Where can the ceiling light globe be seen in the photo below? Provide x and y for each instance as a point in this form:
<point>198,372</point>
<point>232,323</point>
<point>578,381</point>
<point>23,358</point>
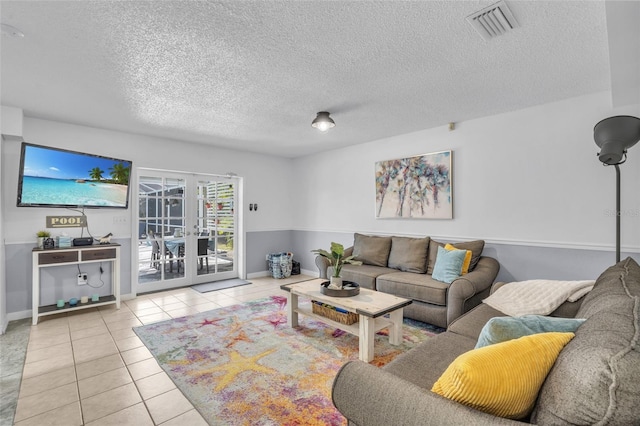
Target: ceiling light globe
<point>323,126</point>
<point>323,122</point>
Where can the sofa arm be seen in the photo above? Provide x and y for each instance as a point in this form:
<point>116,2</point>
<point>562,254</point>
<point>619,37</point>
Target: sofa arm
<point>496,286</point>
<point>370,396</point>
<point>322,263</point>
<point>467,286</point>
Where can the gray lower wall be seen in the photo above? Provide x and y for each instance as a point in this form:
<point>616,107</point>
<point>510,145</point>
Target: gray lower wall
<point>261,243</point>
<point>517,262</point>
<point>58,282</point>
<point>305,241</point>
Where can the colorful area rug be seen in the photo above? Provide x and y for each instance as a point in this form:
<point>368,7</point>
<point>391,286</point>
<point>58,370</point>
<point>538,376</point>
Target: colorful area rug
<point>243,365</point>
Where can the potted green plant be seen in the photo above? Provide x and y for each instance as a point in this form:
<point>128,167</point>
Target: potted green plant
<point>41,236</point>
<point>337,260</point>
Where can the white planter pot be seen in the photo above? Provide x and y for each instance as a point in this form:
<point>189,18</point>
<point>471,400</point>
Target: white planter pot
<point>40,242</point>
<point>337,282</point>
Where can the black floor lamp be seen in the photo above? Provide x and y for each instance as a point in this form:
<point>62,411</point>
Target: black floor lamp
<point>614,135</point>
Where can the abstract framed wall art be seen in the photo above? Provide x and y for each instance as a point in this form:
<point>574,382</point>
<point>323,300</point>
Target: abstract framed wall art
<point>419,187</point>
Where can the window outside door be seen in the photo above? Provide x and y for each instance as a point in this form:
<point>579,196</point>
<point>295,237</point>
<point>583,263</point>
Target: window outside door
<point>187,229</point>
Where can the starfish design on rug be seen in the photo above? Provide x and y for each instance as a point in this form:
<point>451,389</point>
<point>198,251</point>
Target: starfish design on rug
<point>236,365</point>
<point>210,322</point>
<point>277,319</point>
<point>242,336</point>
<point>236,333</point>
<point>280,300</point>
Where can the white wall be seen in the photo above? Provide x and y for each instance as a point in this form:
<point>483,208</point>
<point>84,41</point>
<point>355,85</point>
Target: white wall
<point>11,129</point>
<point>3,281</point>
<point>527,177</point>
<point>266,181</point>
<point>260,173</point>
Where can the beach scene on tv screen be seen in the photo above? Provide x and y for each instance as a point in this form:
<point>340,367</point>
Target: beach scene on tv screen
<point>73,179</point>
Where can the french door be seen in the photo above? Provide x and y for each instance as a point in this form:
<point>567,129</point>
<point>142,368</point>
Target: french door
<point>187,229</point>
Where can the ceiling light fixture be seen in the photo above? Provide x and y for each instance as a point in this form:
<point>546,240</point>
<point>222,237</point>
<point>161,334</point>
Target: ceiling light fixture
<point>10,31</point>
<point>614,135</point>
<point>323,122</point>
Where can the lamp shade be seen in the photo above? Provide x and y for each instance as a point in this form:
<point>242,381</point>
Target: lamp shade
<point>323,122</point>
<point>614,135</point>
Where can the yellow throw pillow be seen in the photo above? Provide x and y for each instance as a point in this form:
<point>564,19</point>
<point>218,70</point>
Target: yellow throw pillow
<point>467,258</point>
<point>502,379</point>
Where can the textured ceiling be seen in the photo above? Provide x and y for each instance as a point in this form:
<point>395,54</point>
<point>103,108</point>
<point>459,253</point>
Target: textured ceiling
<point>251,75</point>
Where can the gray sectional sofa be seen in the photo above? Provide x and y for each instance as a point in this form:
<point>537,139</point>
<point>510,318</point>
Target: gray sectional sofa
<point>403,266</point>
<point>594,380</point>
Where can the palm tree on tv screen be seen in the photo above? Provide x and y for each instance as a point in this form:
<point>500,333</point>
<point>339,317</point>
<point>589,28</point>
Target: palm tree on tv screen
<point>120,173</point>
<point>96,173</point>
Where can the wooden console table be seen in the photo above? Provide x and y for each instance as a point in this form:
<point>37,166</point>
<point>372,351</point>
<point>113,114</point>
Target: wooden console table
<point>79,255</point>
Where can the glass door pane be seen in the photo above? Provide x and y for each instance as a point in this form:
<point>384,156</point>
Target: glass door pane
<point>161,226</point>
<point>215,229</point>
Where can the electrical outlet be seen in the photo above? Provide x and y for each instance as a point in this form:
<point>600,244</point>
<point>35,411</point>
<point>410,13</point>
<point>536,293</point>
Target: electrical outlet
<point>82,278</point>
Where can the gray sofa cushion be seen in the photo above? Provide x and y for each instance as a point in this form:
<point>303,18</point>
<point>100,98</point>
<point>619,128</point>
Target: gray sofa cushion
<point>370,396</point>
<point>409,254</point>
<point>595,378</point>
<point>470,324</point>
<point>414,286</point>
<point>372,250</point>
<point>567,309</point>
<point>364,275</point>
<point>424,365</point>
<point>476,248</point>
<point>616,284</point>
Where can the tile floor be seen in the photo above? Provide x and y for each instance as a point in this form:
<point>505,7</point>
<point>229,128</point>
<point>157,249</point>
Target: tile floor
<point>89,367</point>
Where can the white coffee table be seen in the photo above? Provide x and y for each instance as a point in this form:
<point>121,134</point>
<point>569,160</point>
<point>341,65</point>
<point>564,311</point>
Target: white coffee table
<point>370,305</point>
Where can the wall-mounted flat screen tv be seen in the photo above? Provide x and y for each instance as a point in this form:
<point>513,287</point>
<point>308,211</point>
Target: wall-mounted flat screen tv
<point>53,177</point>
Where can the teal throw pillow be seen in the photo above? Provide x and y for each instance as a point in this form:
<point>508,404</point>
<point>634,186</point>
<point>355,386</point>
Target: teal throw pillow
<point>448,265</point>
<point>501,329</point>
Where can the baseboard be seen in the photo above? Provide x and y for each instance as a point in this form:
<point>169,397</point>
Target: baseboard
<point>258,274</point>
<point>14,316</point>
<point>267,274</point>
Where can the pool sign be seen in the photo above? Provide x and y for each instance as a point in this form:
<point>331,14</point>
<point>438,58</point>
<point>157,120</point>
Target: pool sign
<point>66,221</point>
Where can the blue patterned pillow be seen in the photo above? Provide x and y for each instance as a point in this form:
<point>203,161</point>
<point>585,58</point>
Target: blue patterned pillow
<point>501,329</point>
<point>448,265</point>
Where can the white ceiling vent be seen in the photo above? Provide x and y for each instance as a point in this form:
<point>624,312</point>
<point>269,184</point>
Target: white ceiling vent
<point>493,21</point>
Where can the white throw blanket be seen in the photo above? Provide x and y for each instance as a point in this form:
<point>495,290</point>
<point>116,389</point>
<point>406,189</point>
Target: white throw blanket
<point>536,297</point>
